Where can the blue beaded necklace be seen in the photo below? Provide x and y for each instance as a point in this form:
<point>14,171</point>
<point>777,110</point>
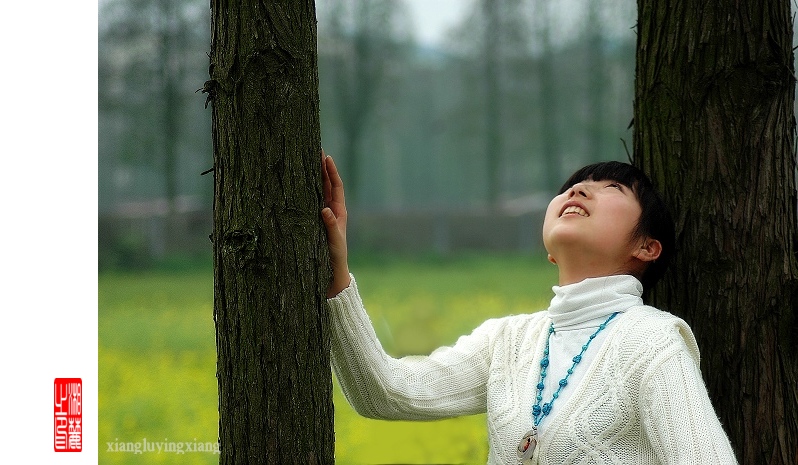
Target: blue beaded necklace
<point>530,440</point>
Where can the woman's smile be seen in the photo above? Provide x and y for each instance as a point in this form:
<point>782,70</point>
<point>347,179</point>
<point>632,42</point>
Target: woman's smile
<point>574,208</point>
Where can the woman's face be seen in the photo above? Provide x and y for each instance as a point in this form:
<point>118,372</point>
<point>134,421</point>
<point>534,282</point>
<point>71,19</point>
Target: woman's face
<point>594,220</point>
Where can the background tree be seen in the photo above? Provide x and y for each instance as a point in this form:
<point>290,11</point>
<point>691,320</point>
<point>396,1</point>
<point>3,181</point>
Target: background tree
<point>151,59</point>
<point>171,35</point>
<point>714,127</point>
<point>270,262</point>
<point>409,114</point>
<point>550,154</point>
<point>369,38</point>
<point>492,95</point>
<point>595,82</point>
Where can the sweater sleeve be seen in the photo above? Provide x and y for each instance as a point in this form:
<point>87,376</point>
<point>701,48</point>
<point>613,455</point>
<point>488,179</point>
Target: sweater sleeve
<point>678,417</point>
<point>449,382</point>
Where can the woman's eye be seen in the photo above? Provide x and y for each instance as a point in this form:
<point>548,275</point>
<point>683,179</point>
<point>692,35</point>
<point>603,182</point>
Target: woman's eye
<point>615,185</point>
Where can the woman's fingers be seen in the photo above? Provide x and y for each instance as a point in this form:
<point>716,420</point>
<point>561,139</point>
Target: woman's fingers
<point>329,220</point>
<point>334,217</point>
<point>336,187</point>
<point>325,178</point>
<point>334,211</point>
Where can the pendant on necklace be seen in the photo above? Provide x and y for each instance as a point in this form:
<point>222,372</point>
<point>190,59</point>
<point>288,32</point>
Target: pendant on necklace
<point>527,446</point>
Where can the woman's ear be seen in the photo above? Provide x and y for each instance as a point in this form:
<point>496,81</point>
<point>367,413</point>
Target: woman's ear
<point>649,251</point>
<point>551,259</point>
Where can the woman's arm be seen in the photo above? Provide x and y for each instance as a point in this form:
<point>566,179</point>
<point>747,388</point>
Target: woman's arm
<point>678,417</point>
<point>452,381</point>
<point>449,382</point>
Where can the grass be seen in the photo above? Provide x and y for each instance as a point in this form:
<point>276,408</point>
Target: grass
<point>157,354</point>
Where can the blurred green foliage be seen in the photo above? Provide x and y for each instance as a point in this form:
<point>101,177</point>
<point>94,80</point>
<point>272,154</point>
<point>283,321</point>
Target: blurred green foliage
<point>489,120</point>
<point>157,353</point>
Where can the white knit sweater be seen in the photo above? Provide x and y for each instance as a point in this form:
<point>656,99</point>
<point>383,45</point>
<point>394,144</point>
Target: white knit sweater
<point>637,396</point>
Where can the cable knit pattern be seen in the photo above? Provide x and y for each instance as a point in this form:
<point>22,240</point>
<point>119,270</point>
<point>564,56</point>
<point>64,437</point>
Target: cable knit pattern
<point>639,398</point>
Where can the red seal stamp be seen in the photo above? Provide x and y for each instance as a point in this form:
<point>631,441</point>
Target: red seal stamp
<point>68,415</point>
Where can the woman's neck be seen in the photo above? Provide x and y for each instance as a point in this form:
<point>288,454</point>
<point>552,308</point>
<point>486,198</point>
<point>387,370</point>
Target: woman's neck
<point>577,270</point>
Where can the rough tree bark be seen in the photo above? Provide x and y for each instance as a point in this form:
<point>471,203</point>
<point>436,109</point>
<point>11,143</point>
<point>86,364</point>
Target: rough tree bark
<point>270,256</point>
<point>714,128</point>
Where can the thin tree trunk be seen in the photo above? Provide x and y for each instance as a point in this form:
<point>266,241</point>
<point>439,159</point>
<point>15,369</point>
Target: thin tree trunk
<point>547,97</point>
<point>714,128</point>
<point>358,76</point>
<point>270,260</point>
<point>493,100</point>
<point>170,75</point>
<point>596,85</point>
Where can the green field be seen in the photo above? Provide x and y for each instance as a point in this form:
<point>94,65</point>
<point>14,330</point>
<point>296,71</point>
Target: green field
<point>157,355</point>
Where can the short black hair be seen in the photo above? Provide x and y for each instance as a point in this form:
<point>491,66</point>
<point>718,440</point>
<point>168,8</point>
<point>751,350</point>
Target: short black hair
<point>655,220</point>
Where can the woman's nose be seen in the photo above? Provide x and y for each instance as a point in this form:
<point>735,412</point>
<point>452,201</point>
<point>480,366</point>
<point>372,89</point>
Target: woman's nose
<point>579,189</point>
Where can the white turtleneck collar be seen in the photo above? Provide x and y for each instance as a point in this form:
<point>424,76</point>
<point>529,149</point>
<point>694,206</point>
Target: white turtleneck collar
<point>576,311</point>
<point>578,305</point>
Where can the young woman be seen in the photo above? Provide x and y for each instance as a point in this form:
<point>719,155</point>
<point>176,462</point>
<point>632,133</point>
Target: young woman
<point>598,377</point>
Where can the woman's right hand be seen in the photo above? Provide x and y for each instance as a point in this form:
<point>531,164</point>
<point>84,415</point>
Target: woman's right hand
<point>334,216</point>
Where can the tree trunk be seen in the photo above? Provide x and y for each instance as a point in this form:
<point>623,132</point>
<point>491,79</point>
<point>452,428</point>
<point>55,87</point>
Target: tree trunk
<point>714,128</point>
<point>270,256</point>
<point>493,100</point>
<point>597,85</point>
<point>549,133</point>
<point>168,101</point>
<point>363,30</point>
